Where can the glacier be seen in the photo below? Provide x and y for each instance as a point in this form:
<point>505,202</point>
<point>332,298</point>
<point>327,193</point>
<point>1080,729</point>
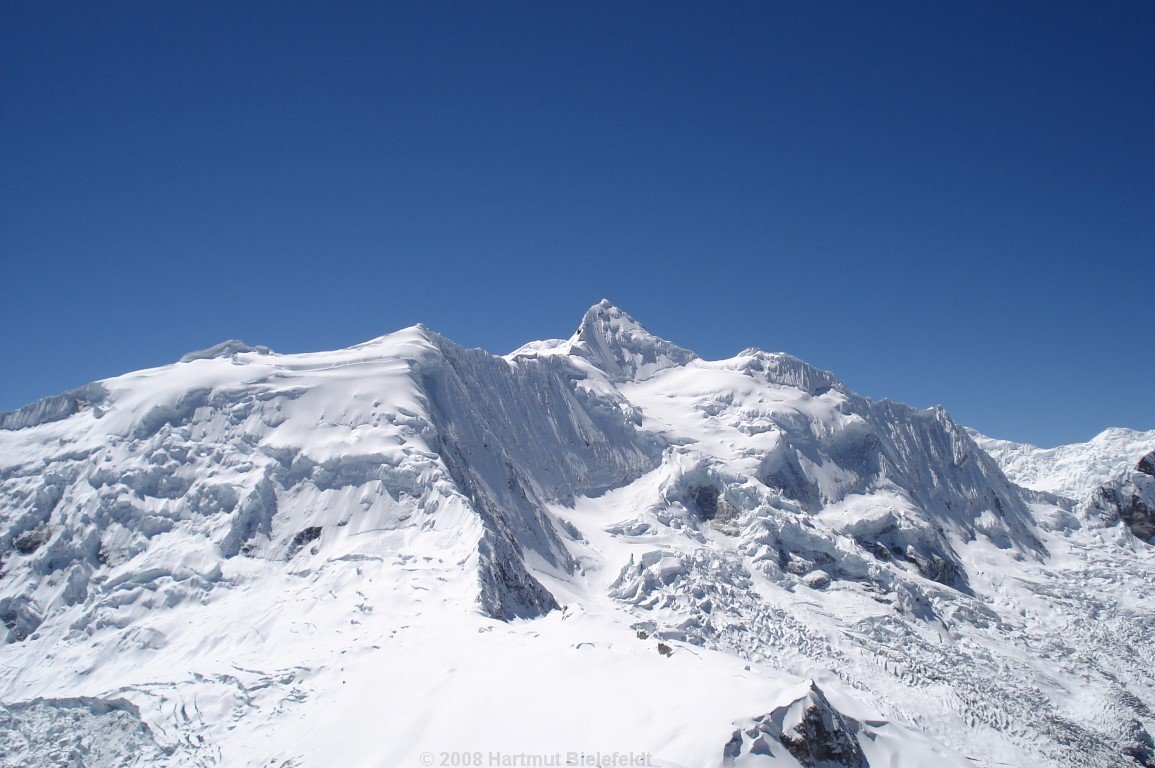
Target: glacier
<point>407,550</point>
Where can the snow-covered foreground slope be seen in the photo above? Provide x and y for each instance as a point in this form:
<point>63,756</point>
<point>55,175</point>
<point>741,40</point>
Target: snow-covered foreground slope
<point>587,552</point>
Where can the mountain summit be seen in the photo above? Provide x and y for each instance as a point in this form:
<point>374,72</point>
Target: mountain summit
<point>248,558</point>
<point>620,346</point>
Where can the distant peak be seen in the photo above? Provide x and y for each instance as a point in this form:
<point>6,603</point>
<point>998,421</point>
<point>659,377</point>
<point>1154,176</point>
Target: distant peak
<point>621,346</point>
<point>605,313</point>
<point>1122,434</point>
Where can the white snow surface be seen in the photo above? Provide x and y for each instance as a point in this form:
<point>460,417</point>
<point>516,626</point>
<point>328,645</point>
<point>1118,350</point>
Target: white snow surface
<point>590,551</point>
<point>1074,471</point>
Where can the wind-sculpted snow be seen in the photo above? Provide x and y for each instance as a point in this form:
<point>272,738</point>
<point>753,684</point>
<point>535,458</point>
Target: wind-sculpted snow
<point>407,548</point>
<point>54,408</point>
<point>225,349</point>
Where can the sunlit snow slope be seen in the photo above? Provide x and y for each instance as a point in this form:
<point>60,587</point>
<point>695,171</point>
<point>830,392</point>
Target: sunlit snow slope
<point>1074,471</point>
<point>604,545</point>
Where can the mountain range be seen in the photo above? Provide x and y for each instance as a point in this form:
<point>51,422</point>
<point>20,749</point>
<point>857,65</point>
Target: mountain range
<point>602,550</point>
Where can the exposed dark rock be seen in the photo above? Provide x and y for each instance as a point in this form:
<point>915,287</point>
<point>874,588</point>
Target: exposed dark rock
<point>874,548</point>
<point>1123,502</point>
<point>18,618</point>
<point>1141,748</point>
<point>1147,464</point>
<point>1139,517</point>
<point>508,591</point>
<point>938,569</point>
<point>932,559</point>
<point>733,748</point>
<point>303,537</point>
<point>809,728</point>
<point>705,500</point>
<point>801,561</point>
<point>30,541</point>
<point>824,736</point>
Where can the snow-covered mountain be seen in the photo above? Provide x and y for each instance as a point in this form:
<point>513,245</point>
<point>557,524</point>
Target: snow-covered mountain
<point>1111,477</point>
<point>589,551</point>
<point>1076,470</point>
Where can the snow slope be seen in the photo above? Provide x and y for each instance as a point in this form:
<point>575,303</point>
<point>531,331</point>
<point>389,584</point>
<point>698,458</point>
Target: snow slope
<point>1076,470</point>
<point>602,546</point>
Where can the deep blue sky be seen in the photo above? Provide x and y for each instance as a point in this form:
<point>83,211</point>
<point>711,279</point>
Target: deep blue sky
<point>942,202</point>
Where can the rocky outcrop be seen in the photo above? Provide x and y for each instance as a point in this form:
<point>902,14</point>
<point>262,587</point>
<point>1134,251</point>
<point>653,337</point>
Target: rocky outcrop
<point>809,728</point>
<point>508,591</point>
<point>1130,500</point>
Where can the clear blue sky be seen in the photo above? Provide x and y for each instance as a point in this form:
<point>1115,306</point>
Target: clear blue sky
<point>943,202</point>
